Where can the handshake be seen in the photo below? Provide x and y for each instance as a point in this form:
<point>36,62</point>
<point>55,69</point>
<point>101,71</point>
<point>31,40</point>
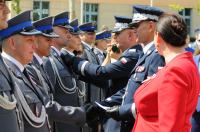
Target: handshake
<point>95,112</point>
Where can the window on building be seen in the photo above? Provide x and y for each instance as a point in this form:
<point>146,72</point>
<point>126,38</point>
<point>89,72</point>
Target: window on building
<point>90,12</point>
<point>40,9</point>
<point>186,14</point>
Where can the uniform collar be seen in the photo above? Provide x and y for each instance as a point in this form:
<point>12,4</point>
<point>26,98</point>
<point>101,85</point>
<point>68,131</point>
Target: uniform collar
<point>56,50</point>
<point>13,60</point>
<point>90,47</point>
<point>38,58</point>
<point>68,52</point>
<point>99,50</point>
<point>147,47</point>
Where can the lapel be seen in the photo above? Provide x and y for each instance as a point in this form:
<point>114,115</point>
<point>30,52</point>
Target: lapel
<point>91,51</point>
<point>39,67</point>
<point>55,55</point>
<point>17,73</point>
<point>44,75</point>
<point>141,60</point>
<point>36,63</point>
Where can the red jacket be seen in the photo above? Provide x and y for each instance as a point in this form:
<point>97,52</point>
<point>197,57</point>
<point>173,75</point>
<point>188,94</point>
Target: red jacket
<point>166,102</point>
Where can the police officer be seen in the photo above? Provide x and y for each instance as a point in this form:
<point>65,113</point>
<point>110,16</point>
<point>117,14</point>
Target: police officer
<point>117,71</point>
<point>42,49</point>
<point>73,47</point>
<point>8,110</point>
<point>16,38</point>
<point>88,38</point>
<point>35,68</point>
<point>102,40</point>
<point>61,76</point>
<point>144,18</point>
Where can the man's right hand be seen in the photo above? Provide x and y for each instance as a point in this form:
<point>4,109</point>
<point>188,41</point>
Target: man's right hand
<point>67,58</point>
<point>93,114</point>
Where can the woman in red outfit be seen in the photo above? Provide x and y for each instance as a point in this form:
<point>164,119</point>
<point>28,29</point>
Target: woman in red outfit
<point>167,100</point>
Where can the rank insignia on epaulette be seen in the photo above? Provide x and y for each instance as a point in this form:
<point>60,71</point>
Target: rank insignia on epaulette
<point>132,50</point>
<point>123,60</point>
<point>140,69</point>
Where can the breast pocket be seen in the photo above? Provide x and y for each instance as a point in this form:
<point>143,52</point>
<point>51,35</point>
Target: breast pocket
<point>139,75</point>
<point>31,97</point>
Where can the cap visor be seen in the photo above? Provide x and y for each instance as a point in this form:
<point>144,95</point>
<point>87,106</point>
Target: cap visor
<point>31,32</point>
<point>67,26</point>
<point>50,35</point>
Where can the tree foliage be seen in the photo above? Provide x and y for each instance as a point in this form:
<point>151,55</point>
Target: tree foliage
<point>16,6</point>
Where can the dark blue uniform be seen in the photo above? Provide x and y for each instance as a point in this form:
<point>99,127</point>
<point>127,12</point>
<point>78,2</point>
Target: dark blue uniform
<point>8,117</point>
<point>64,84</point>
<point>117,71</point>
<point>146,67</point>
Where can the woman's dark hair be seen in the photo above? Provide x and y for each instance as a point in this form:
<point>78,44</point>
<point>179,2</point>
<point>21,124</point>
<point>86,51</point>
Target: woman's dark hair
<point>172,29</point>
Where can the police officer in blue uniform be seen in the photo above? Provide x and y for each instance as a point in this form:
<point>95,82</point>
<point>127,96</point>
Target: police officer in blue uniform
<point>87,36</point>
<point>102,41</point>
<point>73,48</point>
<point>61,76</point>
<point>143,17</point>
<point>19,36</point>
<point>43,43</point>
<point>117,71</point>
<point>8,109</point>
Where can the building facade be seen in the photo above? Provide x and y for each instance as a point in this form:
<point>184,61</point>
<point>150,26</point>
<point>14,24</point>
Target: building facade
<point>103,11</point>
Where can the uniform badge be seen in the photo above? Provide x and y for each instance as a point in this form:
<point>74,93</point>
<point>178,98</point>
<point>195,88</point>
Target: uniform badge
<point>140,69</point>
<point>132,50</point>
<point>123,60</point>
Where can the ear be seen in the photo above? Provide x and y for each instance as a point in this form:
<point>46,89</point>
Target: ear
<point>69,36</point>
<point>151,26</point>
<point>10,42</point>
<point>157,38</point>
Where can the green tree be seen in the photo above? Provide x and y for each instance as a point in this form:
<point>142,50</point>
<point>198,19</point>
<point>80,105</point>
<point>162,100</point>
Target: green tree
<point>176,7</point>
<point>16,6</point>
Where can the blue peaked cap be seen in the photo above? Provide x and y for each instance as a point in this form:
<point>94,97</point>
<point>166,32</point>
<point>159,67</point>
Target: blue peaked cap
<point>88,27</point>
<point>75,29</point>
<point>103,35</point>
<point>121,23</point>
<point>62,20</point>
<point>145,12</point>
<point>20,24</point>
<point>45,25</point>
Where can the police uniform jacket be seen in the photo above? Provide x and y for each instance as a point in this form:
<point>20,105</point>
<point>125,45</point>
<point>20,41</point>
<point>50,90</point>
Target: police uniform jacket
<point>8,117</point>
<point>31,94</point>
<point>56,112</point>
<point>93,92</point>
<point>117,71</point>
<point>64,84</point>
